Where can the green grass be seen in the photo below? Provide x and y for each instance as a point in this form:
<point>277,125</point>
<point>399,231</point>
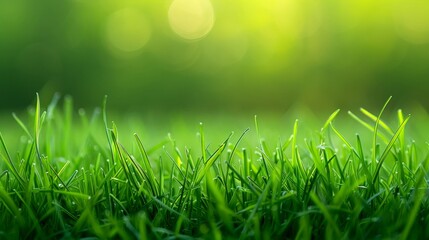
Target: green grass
<point>68,175</point>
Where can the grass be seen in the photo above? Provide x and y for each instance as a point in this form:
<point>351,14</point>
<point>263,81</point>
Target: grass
<point>72,177</point>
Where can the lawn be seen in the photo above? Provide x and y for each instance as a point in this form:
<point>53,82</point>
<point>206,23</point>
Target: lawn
<point>70,173</point>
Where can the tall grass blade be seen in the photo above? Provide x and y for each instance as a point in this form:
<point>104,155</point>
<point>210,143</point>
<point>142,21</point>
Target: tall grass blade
<point>9,162</point>
<point>210,162</point>
<point>368,126</point>
<point>148,167</point>
<point>22,125</point>
<point>388,148</point>
<point>330,119</point>
<point>375,119</point>
<point>374,141</point>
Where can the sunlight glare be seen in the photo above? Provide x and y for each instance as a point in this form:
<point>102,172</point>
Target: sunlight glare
<point>191,19</point>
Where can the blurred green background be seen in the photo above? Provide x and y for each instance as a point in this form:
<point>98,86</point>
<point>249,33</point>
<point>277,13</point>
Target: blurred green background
<point>202,55</point>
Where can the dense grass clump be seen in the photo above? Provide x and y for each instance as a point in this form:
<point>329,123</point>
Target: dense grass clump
<point>326,186</point>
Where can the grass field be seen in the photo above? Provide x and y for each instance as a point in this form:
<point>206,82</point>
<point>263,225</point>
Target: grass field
<point>76,174</point>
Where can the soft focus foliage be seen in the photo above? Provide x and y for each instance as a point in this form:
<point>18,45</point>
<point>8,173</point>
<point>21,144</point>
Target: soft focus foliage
<point>190,54</point>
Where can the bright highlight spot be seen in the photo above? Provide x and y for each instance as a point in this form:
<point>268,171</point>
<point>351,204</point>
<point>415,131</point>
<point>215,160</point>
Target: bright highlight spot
<point>179,162</point>
<point>128,30</point>
<point>191,19</point>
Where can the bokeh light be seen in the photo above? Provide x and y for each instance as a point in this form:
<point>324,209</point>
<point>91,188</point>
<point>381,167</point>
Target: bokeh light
<point>191,19</point>
<point>206,54</point>
<point>128,30</point>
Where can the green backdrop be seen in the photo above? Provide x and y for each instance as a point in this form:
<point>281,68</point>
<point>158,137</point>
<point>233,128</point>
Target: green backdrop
<point>204,55</point>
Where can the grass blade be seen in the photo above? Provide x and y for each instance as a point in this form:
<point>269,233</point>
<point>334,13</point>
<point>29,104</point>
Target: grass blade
<point>388,147</point>
<point>210,162</point>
